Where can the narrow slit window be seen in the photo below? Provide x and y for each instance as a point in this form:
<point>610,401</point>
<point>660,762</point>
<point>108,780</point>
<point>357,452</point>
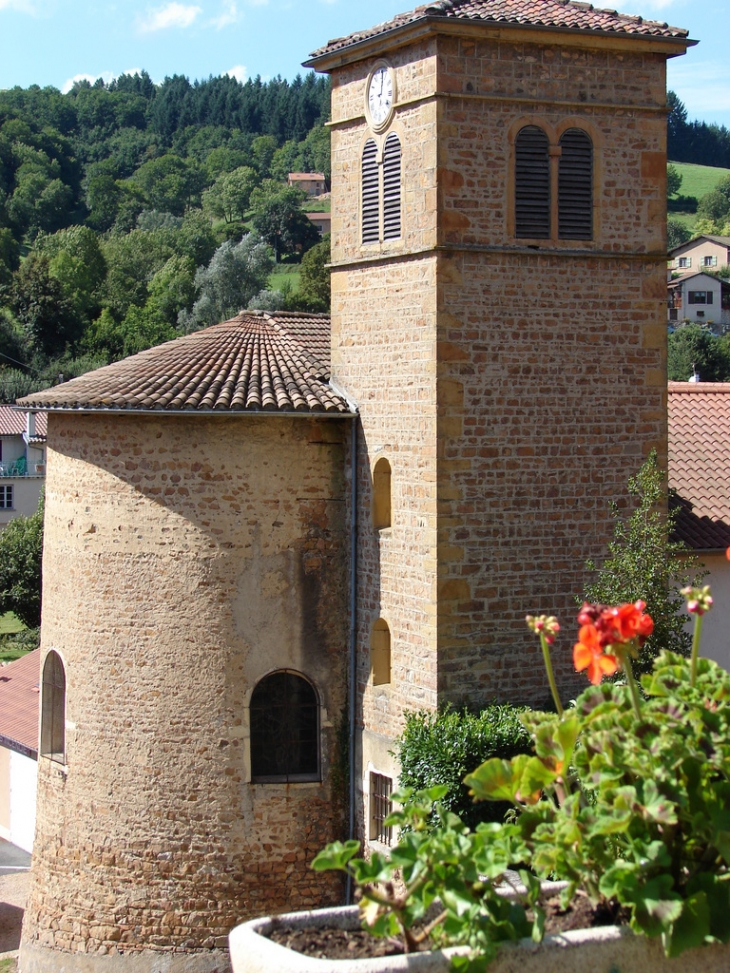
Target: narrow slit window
<point>381,495</point>
<point>575,186</point>
<point>381,805</point>
<point>380,653</point>
<point>532,184</point>
<point>284,730</point>
<point>391,188</point>
<point>53,709</point>
<point>370,194</point>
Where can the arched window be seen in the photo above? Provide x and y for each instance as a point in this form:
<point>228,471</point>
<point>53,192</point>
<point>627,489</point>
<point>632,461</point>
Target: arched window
<point>391,188</point>
<point>381,494</point>
<point>284,730</point>
<point>380,653</point>
<point>53,710</point>
<point>575,186</point>
<point>370,193</point>
<point>532,184</point>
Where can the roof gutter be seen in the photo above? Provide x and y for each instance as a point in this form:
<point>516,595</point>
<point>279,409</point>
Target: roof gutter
<point>188,413</point>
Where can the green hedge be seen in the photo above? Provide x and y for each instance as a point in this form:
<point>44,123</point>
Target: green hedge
<point>442,748</point>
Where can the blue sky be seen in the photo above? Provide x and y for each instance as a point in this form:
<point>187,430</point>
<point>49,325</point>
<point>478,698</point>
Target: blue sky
<point>50,42</point>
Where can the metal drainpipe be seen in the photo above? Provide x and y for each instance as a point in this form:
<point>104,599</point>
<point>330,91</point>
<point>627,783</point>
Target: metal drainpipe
<point>353,637</point>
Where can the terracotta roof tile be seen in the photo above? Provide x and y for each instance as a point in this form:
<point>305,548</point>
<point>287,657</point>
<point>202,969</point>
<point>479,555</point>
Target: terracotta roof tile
<point>257,361</point>
<point>19,685</point>
<point>699,462</point>
<point>566,14</point>
<point>13,423</point>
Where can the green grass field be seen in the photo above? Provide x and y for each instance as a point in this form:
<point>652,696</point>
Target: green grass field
<point>9,624</point>
<point>284,275</point>
<point>697,181</point>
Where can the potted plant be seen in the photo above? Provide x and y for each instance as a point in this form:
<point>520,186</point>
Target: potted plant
<point>626,800</point>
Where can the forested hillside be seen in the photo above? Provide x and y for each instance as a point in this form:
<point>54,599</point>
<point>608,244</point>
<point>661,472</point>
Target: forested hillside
<point>130,213</point>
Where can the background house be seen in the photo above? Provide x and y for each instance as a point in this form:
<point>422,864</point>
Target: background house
<point>22,462</point>
<point>699,471</point>
<point>323,221</point>
<point>704,253</point>
<point>19,695</point>
<point>701,299</point>
<point>312,183</point>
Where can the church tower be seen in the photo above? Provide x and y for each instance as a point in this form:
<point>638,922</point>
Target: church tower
<point>498,314</point>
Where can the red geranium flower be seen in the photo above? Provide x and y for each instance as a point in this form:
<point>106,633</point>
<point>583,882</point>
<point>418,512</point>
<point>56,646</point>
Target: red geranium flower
<point>631,622</point>
<point>588,654</point>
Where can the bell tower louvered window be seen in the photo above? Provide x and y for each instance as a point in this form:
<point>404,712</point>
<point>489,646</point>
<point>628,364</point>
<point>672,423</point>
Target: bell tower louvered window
<point>370,193</point>
<point>391,188</point>
<point>575,186</point>
<point>532,184</point>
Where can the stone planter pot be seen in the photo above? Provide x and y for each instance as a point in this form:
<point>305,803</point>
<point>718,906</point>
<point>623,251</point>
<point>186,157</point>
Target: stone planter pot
<point>605,950</point>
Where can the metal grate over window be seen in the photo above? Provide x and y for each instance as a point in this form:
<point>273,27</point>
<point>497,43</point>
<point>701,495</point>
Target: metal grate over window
<point>53,710</point>
<point>284,730</point>
<point>532,184</point>
<point>370,194</point>
<point>391,187</point>
<point>381,788</point>
<point>575,186</point>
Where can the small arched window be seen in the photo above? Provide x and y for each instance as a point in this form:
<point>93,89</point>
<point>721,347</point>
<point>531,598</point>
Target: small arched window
<point>370,193</point>
<point>380,653</point>
<point>575,186</point>
<point>381,495</point>
<point>532,184</point>
<point>53,709</point>
<point>284,730</point>
<point>391,187</point>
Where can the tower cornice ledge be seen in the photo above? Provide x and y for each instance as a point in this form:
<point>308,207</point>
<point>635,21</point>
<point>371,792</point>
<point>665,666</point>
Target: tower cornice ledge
<point>450,248</point>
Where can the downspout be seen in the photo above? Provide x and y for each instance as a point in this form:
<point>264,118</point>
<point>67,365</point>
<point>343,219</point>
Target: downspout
<point>353,637</point>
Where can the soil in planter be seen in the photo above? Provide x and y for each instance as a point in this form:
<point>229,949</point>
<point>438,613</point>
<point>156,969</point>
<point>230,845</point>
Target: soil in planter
<point>331,943</point>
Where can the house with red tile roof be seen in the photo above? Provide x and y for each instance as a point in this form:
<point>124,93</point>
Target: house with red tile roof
<point>19,696</point>
<point>312,183</point>
<point>699,473</point>
<point>22,462</point>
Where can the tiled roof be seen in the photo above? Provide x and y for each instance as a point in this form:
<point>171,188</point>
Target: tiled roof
<point>724,241</point>
<point>13,423</point>
<point>19,692</point>
<point>566,14</point>
<point>257,361</point>
<point>699,462</point>
<point>307,176</point>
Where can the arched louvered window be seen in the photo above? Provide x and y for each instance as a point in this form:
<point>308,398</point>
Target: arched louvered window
<point>532,184</point>
<point>575,186</point>
<point>284,730</point>
<point>391,187</point>
<point>370,194</point>
<point>53,709</point>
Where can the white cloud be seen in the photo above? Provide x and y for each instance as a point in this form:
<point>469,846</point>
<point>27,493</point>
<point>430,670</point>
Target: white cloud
<point>22,6</point>
<point>230,15</point>
<point>238,72</point>
<point>171,15</point>
<point>91,78</point>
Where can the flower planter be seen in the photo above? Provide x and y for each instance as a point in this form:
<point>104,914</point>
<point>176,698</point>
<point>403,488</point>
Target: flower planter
<point>608,949</point>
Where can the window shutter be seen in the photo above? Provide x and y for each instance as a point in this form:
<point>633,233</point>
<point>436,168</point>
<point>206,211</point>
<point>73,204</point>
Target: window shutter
<point>532,184</point>
<point>370,194</point>
<point>709,297</point>
<point>575,186</point>
<point>391,188</point>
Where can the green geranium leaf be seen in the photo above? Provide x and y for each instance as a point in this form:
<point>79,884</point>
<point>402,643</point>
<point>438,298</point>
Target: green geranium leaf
<point>690,928</point>
<point>497,780</point>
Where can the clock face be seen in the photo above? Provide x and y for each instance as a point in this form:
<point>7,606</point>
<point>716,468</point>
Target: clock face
<point>380,95</point>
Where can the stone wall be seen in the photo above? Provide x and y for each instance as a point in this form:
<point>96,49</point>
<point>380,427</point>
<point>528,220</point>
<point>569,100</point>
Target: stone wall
<point>185,558</point>
<point>513,388</point>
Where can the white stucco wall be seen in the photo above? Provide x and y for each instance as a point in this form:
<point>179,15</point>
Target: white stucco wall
<point>716,625</point>
<point>19,785</point>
